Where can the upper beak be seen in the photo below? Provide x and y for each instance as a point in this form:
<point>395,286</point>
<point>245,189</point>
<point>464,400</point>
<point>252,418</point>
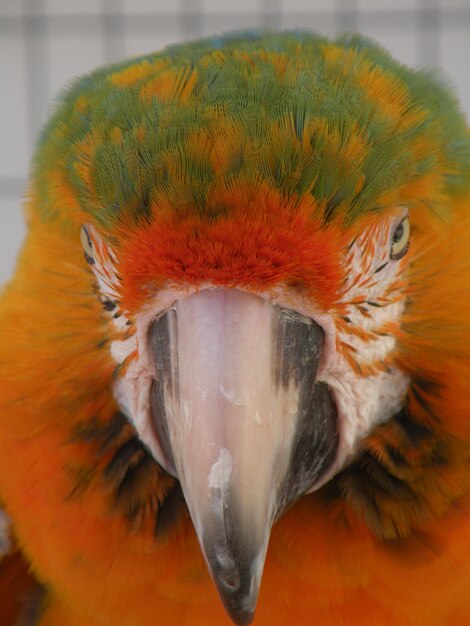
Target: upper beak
<point>244,426</point>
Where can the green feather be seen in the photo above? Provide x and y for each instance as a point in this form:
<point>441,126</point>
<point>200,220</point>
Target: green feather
<point>280,122</point>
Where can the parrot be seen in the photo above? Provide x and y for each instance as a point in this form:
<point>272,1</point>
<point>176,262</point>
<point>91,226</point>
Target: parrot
<point>234,353</point>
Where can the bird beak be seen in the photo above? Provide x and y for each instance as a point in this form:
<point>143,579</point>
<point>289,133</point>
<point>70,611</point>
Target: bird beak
<point>242,422</point>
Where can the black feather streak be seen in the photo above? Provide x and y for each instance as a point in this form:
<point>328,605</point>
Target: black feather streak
<point>131,473</point>
<point>109,305</point>
<point>416,433</point>
<point>170,511</point>
<point>381,267</point>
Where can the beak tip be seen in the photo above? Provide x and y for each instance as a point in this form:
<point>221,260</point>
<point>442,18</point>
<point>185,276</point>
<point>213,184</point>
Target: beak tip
<point>243,619</point>
<point>239,602</point>
<point>236,572</point>
<point>238,615</point>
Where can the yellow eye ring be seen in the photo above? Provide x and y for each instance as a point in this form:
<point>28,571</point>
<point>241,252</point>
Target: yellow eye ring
<point>400,240</point>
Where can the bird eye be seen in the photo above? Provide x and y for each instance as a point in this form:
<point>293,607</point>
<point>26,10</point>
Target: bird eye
<point>87,245</point>
<point>400,240</point>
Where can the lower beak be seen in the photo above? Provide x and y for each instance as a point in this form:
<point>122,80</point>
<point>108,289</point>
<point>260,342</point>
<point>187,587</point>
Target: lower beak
<point>242,423</point>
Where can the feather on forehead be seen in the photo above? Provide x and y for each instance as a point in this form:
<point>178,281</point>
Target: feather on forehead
<point>339,121</point>
<point>259,241</point>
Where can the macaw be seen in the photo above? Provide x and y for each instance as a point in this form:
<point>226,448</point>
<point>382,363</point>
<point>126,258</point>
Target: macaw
<point>234,355</point>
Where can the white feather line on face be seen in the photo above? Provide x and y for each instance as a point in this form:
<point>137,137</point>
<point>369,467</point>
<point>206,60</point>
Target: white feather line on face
<point>104,264</point>
<point>365,402</point>
<point>362,402</point>
<point>131,390</point>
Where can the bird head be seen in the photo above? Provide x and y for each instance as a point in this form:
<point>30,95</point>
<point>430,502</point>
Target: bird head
<point>257,213</point>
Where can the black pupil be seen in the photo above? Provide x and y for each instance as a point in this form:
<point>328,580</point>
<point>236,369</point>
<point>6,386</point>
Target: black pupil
<point>398,234</point>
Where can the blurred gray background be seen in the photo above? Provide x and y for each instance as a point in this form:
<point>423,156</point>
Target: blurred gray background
<point>46,43</point>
